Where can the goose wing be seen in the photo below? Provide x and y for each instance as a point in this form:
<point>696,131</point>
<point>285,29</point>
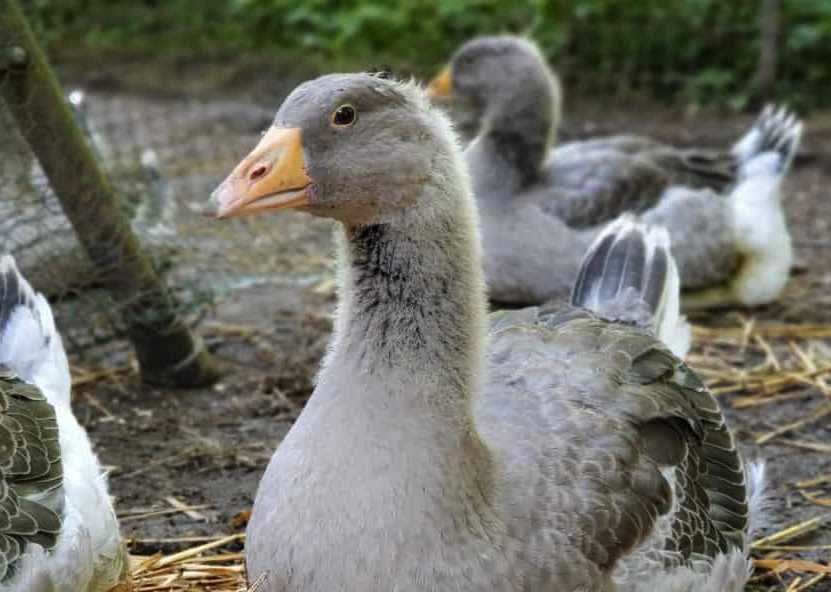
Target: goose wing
<point>615,451</point>
<point>598,180</point>
<point>697,168</point>
<point>31,475</point>
<point>593,185</point>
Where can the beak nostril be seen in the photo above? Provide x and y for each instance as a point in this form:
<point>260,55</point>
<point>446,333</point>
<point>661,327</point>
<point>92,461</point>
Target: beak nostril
<point>257,172</point>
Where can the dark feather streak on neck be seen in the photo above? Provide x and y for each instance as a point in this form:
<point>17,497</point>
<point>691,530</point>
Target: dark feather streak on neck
<point>402,305</point>
<point>523,153</point>
<point>520,124</point>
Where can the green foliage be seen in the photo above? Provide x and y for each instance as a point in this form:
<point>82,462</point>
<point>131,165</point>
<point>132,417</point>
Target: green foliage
<point>699,50</point>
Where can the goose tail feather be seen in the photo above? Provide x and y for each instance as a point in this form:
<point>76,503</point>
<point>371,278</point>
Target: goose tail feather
<point>761,228</point>
<point>629,275</point>
<point>771,143</point>
<point>30,345</point>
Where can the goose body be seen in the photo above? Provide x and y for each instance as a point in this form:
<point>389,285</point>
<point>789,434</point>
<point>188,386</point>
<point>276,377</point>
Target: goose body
<point>58,530</point>
<point>723,210</point>
<point>537,449</point>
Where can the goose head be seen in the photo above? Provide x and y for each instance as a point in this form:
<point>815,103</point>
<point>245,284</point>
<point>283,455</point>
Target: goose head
<point>494,75</point>
<point>353,147</point>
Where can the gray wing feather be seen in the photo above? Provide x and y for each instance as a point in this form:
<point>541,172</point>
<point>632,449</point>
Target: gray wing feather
<point>587,188</point>
<point>30,470</point>
<point>588,183</point>
<point>632,446</point>
<point>697,169</point>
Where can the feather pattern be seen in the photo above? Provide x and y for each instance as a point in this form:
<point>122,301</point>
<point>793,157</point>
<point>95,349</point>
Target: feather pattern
<point>30,472</point>
<point>682,500</point>
<point>629,275</point>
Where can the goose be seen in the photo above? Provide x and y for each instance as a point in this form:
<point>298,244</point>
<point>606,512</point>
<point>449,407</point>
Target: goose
<point>724,212</point>
<point>511,91</point>
<point>58,530</point>
<point>538,449</point>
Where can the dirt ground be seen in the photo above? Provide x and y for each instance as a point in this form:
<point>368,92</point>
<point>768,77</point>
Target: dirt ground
<point>269,326</point>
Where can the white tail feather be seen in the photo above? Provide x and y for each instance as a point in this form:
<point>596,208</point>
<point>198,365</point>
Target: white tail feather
<point>776,130</point>
<point>673,328</point>
<point>760,226</point>
<point>30,346</point>
<point>629,274</point>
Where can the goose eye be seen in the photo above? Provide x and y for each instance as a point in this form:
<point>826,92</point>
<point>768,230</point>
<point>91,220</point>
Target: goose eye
<point>344,115</point>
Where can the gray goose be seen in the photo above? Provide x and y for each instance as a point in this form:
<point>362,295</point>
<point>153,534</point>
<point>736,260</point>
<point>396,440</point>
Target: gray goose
<point>723,210</point>
<point>58,530</point>
<point>517,100</point>
<point>539,449</point>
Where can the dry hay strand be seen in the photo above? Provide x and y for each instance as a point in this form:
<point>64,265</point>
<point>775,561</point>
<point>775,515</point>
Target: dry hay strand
<point>774,548</point>
<point>200,568</point>
<point>766,363</point>
<point>774,563</point>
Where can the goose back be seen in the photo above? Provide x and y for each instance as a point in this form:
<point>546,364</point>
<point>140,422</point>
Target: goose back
<point>591,182</point>
<point>612,441</point>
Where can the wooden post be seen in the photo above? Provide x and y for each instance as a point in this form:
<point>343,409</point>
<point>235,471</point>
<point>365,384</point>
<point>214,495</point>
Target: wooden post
<point>764,81</point>
<point>167,352</point>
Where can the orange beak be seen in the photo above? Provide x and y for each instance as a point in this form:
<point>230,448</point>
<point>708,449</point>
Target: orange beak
<point>441,87</point>
<point>272,177</point>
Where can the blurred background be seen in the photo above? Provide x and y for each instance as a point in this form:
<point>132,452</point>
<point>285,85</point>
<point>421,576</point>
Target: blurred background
<point>170,94</point>
<point>694,51</point>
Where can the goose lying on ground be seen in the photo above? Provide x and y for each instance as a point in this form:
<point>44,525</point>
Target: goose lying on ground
<point>516,97</point>
<point>58,531</point>
<point>732,249</point>
<point>557,450</point>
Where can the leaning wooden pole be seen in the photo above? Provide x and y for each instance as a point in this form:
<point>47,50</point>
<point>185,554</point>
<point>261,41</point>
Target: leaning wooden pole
<point>167,352</point>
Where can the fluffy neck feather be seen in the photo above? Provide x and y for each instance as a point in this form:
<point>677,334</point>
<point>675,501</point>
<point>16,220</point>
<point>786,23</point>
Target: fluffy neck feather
<point>406,357</point>
<point>412,298</point>
<point>389,432</point>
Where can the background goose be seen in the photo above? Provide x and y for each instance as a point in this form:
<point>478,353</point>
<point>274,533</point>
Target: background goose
<point>556,451</point>
<point>516,99</point>
<point>734,249</point>
<point>729,251</point>
<point>58,531</point>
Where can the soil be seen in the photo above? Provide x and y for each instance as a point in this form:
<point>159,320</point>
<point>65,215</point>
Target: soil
<point>273,299</point>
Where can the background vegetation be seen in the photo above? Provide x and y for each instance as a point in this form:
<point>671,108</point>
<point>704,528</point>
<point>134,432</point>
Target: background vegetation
<point>696,50</point>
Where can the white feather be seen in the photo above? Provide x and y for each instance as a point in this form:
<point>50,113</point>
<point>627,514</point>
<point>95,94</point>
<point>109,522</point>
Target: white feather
<point>673,328</point>
<point>758,500</point>
<point>760,229</point>
<point>728,572</point>
<point>761,232</point>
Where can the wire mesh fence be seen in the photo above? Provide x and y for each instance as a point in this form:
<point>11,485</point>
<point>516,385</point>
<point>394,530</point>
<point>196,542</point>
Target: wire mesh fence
<point>163,158</point>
